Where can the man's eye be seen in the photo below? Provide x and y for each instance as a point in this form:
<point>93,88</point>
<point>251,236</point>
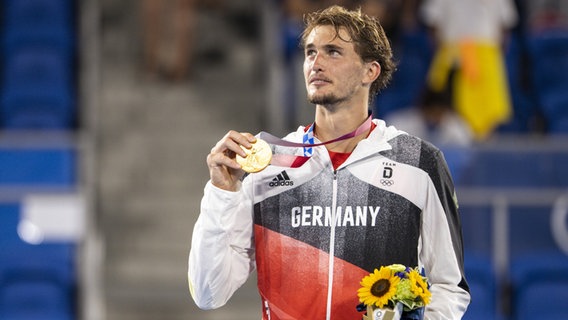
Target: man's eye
<point>334,52</point>
<point>310,52</point>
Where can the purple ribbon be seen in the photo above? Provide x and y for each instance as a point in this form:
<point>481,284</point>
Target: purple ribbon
<point>285,160</point>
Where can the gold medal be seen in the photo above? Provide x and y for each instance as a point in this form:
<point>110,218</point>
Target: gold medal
<point>258,157</point>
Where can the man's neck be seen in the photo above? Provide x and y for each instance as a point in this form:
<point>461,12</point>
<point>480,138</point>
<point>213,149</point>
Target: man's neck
<point>330,124</point>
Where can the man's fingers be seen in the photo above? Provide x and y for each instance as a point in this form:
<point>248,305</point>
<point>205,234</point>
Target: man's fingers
<point>224,170</point>
<point>243,138</point>
<point>232,142</point>
<point>235,148</point>
<point>225,151</point>
<point>222,160</point>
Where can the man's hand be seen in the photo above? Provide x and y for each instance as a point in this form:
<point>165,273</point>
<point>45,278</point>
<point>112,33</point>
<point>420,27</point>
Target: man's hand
<point>224,171</point>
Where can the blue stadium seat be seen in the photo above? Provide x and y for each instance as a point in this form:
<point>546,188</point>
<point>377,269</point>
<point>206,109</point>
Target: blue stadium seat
<point>537,265</point>
<point>21,260</point>
<point>414,52</point>
<point>477,227</point>
<point>458,158</point>
<point>38,43</point>
<point>37,110</point>
<point>36,281</point>
<point>483,289</point>
<point>540,284</point>
<point>559,126</point>
<point>555,106</point>
<point>29,299</point>
<point>543,300</point>
<point>47,166</point>
<point>522,96</point>
<point>46,22</point>
<point>501,168</point>
<point>9,219</point>
<point>18,40</point>
<point>549,53</point>
<point>37,13</point>
<point>533,222</point>
<point>40,70</point>
<point>49,261</point>
<point>38,90</point>
<point>478,241</point>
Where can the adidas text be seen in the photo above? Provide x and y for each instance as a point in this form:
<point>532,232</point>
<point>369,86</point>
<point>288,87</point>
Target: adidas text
<point>280,183</point>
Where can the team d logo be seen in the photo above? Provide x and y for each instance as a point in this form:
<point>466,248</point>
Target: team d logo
<point>387,173</point>
<point>386,179</point>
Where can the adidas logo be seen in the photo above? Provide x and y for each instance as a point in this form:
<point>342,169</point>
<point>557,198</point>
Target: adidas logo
<point>281,180</point>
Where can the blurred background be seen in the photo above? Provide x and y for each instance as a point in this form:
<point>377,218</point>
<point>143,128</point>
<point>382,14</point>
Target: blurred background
<point>108,109</point>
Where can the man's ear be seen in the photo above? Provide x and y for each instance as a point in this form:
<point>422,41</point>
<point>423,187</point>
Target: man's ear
<point>372,72</point>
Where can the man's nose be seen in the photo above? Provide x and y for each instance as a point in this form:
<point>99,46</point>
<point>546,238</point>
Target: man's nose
<point>318,63</point>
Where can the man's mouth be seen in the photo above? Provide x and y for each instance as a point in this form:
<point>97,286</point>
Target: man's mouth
<point>319,81</point>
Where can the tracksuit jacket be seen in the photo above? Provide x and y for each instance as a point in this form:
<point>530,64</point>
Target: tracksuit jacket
<point>312,233</point>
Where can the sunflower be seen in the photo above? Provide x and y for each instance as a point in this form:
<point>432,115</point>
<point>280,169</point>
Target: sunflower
<point>378,287</point>
<point>419,287</point>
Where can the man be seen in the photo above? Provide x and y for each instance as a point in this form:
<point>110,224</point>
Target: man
<point>313,231</point>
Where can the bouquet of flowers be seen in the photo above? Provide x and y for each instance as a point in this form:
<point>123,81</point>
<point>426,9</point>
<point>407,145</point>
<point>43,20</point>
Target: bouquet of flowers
<point>388,292</point>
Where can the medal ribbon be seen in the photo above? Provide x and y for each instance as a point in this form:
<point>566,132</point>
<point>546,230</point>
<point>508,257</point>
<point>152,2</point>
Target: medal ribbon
<point>293,161</point>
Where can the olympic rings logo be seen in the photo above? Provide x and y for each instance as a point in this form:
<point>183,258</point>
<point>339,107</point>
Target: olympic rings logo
<point>387,182</point>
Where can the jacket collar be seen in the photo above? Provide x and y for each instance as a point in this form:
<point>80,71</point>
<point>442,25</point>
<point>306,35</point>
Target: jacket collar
<point>377,141</point>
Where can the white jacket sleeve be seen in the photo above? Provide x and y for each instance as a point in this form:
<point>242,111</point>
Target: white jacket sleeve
<point>441,261</point>
<point>221,255</point>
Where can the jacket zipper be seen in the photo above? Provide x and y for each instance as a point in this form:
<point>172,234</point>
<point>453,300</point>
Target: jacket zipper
<point>331,247</point>
<point>267,309</point>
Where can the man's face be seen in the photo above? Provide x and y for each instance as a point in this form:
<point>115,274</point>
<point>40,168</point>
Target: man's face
<point>333,71</point>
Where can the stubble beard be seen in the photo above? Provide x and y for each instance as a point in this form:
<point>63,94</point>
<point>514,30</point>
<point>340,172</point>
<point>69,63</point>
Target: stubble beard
<point>329,99</point>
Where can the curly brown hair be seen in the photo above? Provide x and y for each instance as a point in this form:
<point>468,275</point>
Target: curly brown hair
<point>367,35</point>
